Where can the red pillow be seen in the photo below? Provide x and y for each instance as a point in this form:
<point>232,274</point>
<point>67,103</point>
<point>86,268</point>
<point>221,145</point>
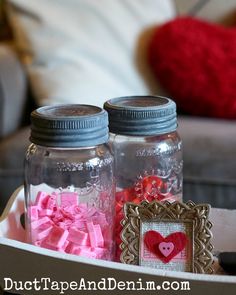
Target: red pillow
<point>195,62</point>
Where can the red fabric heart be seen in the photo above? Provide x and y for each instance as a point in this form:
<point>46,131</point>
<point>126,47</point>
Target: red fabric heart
<point>156,244</point>
<point>195,62</point>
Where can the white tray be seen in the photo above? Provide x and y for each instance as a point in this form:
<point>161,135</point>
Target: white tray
<point>21,261</point>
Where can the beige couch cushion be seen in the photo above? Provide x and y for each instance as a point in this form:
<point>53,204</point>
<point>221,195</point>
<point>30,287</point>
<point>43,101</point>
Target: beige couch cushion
<point>212,10</point>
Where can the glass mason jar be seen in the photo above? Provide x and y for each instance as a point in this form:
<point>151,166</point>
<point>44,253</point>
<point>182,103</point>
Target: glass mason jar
<point>69,183</point>
<point>147,150</point>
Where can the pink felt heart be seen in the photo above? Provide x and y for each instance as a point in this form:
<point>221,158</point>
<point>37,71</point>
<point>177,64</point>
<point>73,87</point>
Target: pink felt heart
<point>156,243</point>
<point>166,248</point>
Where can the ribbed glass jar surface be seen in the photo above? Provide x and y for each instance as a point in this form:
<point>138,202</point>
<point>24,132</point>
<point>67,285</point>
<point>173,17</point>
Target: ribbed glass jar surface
<point>148,168</point>
<point>70,193</point>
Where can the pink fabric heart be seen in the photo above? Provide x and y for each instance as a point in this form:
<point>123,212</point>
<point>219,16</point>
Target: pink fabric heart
<point>166,248</point>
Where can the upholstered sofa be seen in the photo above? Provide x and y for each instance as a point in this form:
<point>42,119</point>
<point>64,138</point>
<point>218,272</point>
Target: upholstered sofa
<point>209,144</point>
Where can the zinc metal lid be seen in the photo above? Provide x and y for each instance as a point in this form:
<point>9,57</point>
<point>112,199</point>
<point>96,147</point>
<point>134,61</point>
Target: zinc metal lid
<point>141,115</point>
<point>70,125</point>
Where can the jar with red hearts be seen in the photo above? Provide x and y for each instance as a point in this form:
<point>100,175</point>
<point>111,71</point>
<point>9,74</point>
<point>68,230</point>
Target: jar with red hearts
<point>69,182</point>
<point>147,150</point>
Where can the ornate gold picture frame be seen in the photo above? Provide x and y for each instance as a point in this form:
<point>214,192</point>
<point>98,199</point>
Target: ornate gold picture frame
<point>170,236</point>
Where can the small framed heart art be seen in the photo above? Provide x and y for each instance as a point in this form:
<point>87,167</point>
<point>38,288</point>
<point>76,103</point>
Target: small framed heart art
<point>170,236</point>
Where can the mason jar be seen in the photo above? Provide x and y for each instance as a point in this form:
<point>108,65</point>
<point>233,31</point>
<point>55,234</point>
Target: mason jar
<point>147,150</point>
<point>69,181</point>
